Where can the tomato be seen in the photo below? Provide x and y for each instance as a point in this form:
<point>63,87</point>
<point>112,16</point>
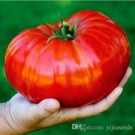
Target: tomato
<point>77,61</point>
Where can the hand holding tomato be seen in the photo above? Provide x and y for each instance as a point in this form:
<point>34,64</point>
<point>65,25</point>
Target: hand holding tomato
<point>78,61</point>
<point>22,116</point>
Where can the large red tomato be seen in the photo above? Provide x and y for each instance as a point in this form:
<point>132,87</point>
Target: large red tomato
<point>78,61</point>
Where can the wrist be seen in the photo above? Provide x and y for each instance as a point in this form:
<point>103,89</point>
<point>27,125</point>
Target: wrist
<point>7,126</point>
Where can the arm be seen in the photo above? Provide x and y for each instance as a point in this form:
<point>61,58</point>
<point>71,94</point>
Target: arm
<point>19,116</point>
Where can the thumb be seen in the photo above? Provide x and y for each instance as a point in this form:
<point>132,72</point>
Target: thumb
<point>47,107</point>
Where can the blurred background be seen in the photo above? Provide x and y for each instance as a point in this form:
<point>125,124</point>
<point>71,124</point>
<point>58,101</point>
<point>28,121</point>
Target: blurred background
<point>19,15</point>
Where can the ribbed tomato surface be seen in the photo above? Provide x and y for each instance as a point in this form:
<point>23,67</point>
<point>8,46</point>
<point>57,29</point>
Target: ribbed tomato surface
<point>75,72</point>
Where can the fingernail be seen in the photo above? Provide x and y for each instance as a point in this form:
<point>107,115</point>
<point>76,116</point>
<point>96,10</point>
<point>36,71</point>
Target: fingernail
<point>130,71</point>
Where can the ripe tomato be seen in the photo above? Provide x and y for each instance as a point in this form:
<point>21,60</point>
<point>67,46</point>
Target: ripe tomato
<point>78,61</point>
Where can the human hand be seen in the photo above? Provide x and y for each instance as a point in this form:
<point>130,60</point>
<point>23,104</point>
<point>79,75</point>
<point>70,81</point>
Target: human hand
<point>23,116</point>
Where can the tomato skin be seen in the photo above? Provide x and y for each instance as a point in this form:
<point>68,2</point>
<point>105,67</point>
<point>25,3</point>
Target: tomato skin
<point>77,72</point>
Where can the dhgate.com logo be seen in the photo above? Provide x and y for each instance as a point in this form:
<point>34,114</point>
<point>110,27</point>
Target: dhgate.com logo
<point>81,127</point>
<point>85,127</point>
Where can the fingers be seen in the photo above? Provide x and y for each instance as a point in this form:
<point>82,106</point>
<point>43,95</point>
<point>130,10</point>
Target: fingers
<point>90,110</point>
<point>107,102</point>
<point>44,109</point>
<point>47,107</point>
<point>126,76</point>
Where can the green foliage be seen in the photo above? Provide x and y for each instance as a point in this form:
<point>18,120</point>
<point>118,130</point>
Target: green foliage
<point>20,15</point>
